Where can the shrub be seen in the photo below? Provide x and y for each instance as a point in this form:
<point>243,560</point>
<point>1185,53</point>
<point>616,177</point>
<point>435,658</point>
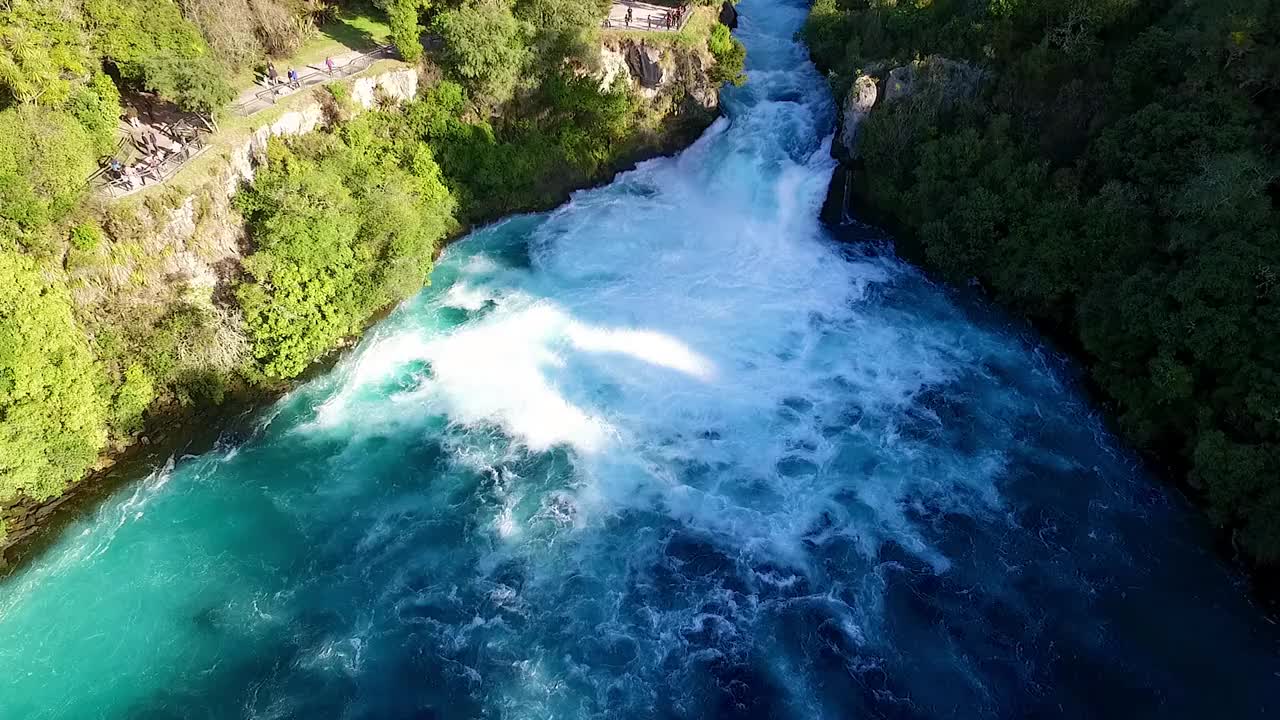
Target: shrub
<point>43,53</point>
<point>406,33</point>
<point>45,158</point>
<point>343,225</point>
<point>132,398</point>
<point>195,84</point>
<point>85,237</point>
<point>52,419</point>
<point>485,46</point>
<point>730,55</point>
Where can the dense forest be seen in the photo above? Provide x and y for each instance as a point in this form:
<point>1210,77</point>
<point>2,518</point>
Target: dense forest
<point>340,223</point>
<point>1114,180</point>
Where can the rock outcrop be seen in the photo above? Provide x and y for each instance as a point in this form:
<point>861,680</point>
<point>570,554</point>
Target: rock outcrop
<point>729,15</point>
<point>396,87</point>
<point>675,80</point>
<point>857,106</point>
<point>645,63</point>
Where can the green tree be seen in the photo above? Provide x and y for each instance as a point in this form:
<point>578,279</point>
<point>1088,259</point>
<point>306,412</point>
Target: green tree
<point>343,225</point>
<point>44,51</point>
<point>406,31</point>
<point>485,46</point>
<point>52,418</point>
<point>45,157</point>
<point>730,55</point>
<point>195,84</point>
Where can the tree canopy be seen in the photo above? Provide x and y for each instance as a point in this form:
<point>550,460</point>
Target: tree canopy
<point>1115,180</point>
<point>52,417</point>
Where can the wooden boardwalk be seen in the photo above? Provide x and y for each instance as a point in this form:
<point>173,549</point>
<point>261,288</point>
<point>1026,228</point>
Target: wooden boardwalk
<point>646,16</point>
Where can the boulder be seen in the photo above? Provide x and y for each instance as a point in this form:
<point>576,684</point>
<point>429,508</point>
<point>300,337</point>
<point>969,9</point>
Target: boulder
<point>645,64</point>
<point>729,15</point>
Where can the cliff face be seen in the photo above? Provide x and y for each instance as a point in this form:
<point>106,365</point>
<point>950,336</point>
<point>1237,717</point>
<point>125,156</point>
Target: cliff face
<point>673,80</point>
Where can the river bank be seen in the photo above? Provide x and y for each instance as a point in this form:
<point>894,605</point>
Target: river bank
<point>945,151</point>
<point>193,232</point>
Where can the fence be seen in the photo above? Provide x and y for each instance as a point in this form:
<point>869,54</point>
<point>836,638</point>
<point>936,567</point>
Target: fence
<point>646,17</point>
<point>185,143</point>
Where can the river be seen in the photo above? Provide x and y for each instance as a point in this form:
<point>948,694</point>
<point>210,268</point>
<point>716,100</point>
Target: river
<point>668,451</point>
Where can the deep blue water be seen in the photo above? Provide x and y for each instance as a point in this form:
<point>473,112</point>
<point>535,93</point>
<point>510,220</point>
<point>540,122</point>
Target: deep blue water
<point>667,452</point>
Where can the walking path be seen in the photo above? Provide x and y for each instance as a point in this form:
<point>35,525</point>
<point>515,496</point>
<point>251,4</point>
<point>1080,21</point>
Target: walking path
<point>262,95</point>
<point>180,143</point>
<point>646,16</point>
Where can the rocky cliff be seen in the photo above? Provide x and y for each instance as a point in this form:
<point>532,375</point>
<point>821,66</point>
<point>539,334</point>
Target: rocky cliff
<point>674,80</point>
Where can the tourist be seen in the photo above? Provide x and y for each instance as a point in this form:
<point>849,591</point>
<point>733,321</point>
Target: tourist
<point>293,78</point>
<point>273,77</point>
<point>628,17</point>
<point>328,64</point>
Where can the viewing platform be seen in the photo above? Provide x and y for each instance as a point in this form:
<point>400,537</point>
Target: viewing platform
<point>647,17</point>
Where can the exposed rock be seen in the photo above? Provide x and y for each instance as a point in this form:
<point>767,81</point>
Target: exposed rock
<point>698,85</point>
<point>729,15</point>
<point>612,66</point>
<point>397,86</point>
<point>857,105</point>
<point>935,78</point>
<point>645,63</point>
<point>930,84</point>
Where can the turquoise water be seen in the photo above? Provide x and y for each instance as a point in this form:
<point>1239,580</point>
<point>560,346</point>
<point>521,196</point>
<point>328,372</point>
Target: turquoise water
<point>668,451</point>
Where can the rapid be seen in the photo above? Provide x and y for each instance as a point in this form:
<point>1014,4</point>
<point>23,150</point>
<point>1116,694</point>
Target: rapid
<point>668,451</point>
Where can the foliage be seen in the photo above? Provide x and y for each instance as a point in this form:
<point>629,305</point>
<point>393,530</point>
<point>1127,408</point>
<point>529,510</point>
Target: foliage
<point>406,31</point>
<point>51,415</point>
<point>86,237</point>
<point>580,132</point>
<point>195,84</point>
<point>730,55</point>
<point>343,225</point>
<point>45,156</point>
<point>132,399</point>
<point>1116,181</point>
<point>485,47</point>
<point>563,29</point>
<point>43,52</point>
<point>240,32</point>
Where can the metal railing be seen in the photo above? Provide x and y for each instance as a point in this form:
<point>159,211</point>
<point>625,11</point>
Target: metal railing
<point>185,142</point>
<point>655,19</point>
